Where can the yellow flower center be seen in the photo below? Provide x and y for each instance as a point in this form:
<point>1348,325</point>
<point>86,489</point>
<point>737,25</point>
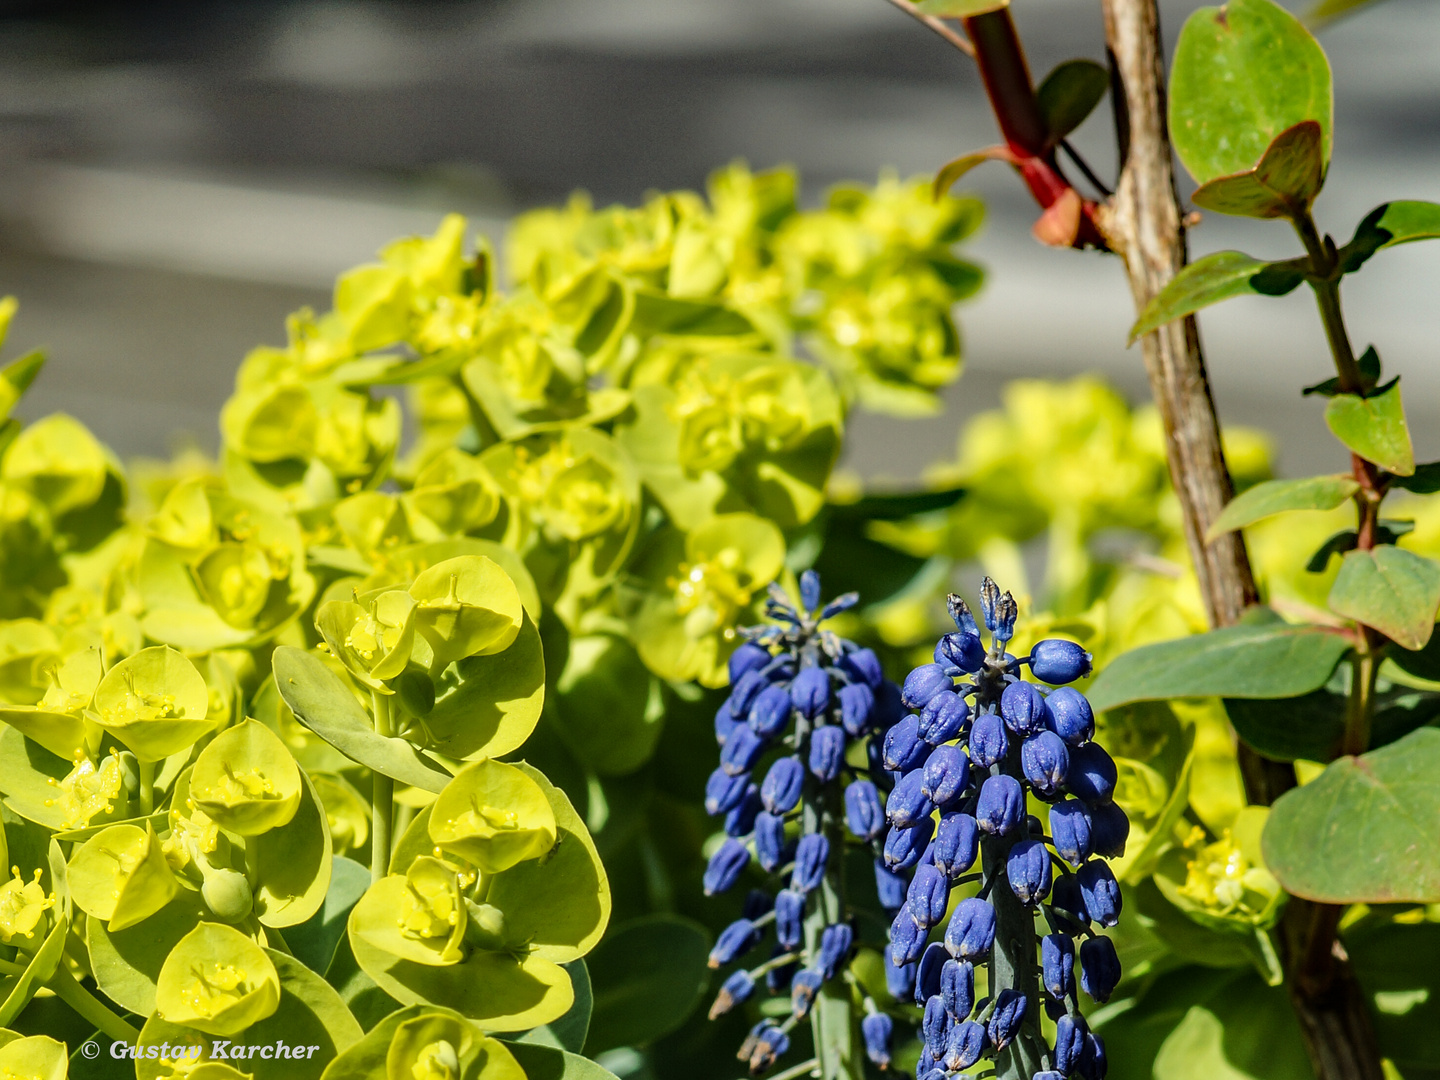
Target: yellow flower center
<point>22,905</point>
<point>88,791</point>
<point>215,987</point>
<point>436,1061</point>
<point>430,908</point>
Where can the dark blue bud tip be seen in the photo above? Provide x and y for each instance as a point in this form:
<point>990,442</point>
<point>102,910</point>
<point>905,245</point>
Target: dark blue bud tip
<point>990,603</point>
<point>960,613</point>
<point>810,590</point>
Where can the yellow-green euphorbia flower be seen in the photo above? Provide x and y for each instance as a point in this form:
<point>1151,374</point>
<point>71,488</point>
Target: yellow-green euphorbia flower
<point>218,981</point>
<point>420,916</point>
<point>120,876</point>
<point>466,606</point>
<point>494,816</point>
<point>155,702</point>
<point>22,907</point>
<point>246,781</point>
<point>34,1057</point>
<point>372,635</point>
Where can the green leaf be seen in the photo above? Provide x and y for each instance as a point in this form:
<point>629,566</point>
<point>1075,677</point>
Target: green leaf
<point>1247,1030</point>
<point>894,505</point>
<point>1311,726</point>
<point>606,705</point>
<point>568,1032</point>
<point>656,313</point>
<point>1395,964</point>
<point>1242,74</point>
<point>1264,660</point>
<point>17,990</point>
<point>486,706</point>
<point>326,706</point>
<point>548,1063</point>
<point>959,9</point>
<point>1215,278</point>
<point>1366,830</point>
<point>1069,94</point>
<point>1393,590</point>
<point>313,941</point>
<point>1374,427</point>
<point>1423,663</point>
<point>1389,225</point>
<point>1283,184</point>
<point>1327,11</point>
<point>638,1000</point>
<point>1424,481</point>
<point>1369,365</point>
<point>1278,496</point>
<point>292,864</point>
<point>127,962</point>
<point>953,171</point>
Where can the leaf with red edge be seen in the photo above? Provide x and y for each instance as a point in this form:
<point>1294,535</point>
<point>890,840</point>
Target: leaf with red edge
<point>1283,184</point>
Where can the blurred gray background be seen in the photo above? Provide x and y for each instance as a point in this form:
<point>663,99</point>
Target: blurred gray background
<point>176,177</point>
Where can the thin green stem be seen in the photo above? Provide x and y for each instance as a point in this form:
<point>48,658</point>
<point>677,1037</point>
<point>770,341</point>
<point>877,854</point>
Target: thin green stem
<point>1325,282</point>
<point>90,1007</point>
<point>147,788</point>
<point>832,1019</point>
<point>1364,668</point>
<point>382,796</point>
<point>803,1069</point>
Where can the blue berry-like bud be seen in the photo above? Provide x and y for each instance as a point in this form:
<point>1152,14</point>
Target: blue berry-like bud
<point>1092,774</point>
<point>988,742</point>
<point>773,1043</point>
<point>740,821</point>
<point>863,812</point>
<point>946,773</point>
<point>1065,896</point>
<point>1057,965</point>
<point>935,1027</point>
<point>810,692</point>
<point>803,989</point>
<point>745,690</point>
<point>827,752</point>
<point>904,749</point>
<point>964,650</point>
<point>924,683</point>
<point>769,841</point>
<point>1023,708</point>
<point>928,896</point>
<point>1027,868</point>
<point>733,991</point>
<point>810,858</point>
<point>943,718</point>
<point>1057,661</point>
<point>877,1029</point>
<point>810,590</point>
<point>1048,1074</point>
<point>725,723</point>
<point>789,918</point>
<point>757,903</point>
<point>836,941</point>
<point>1070,1032</point>
<point>957,988</point>
<point>1001,806</point>
<point>1099,968</point>
<point>899,978</point>
<point>890,887</point>
<point>908,804</point>
<point>857,701</point>
<point>1070,829</point>
<point>957,842</point>
<point>783,783</point>
<point>927,1066</point>
<point>1005,1021</point>
<point>748,657</point>
<point>972,930</point>
<point>1100,891</point>
<point>865,666</point>
<point>904,847</point>
<point>1045,762</point>
<point>927,975</point>
<point>1109,829</point>
<point>724,792</point>
<point>726,866</point>
<point>1070,715</point>
<point>965,1046</point>
<point>735,940</point>
<point>741,750</point>
<point>771,712</point>
<point>1094,1063</point>
<point>907,941</point>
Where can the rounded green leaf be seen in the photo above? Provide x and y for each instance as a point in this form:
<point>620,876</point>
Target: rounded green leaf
<point>218,981</point>
<point>549,1063</point>
<point>155,702</point>
<point>246,781</point>
<point>1374,427</point>
<point>36,1057</point>
<point>127,962</point>
<point>1391,589</point>
<point>466,606</point>
<point>1282,184</point>
<point>606,706</point>
<point>400,1044</point>
<point>293,864</point>
<point>373,636</point>
<point>636,999</point>
<point>1278,496</point>
<point>1214,278</point>
<point>487,706</point>
<point>59,462</point>
<point>120,875</point>
<point>1069,94</point>
<point>494,816</point>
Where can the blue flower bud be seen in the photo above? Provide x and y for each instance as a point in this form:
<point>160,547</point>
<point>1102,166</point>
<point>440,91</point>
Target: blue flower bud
<point>890,887</point>
<point>810,590</point>
<point>934,1073</point>
<point>924,683</point>
<point>757,903</point>
<point>988,742</point>
<point>740,821</point>
<point>927,975</point>
<point>863,812</point>
<point>827,752</point>
<point>904,749</point>
<point>946,773</point>
<point>1057,965</point>
<point>733,991</point>
<point>1070,1032</point>
<point>810,858</point>
<point>748,657</point>
<point>928,896</point>
<point>752,1040</point>
<point>735,940</point>
<point>964,650</point>
<point>1057,661</point>
<point>770,713</point>
<point>789,918</point>
<point>908,805</point>
<point>1001,806</point>
<point>990,603</point>
<point>1027,867</point>
<point>907,941</point>
<point>1070,829</point>
<point>772,1044</point>
<point>889,707</point>
<point>857,702</point>
<point>864,665</point>
<point>957,842</point>
<point>904,847</point>
<point>769,841</point>
<point>965,1046</point>
<point>1023,708</point>
<point>725,723</point>
<point>1048,1074</point>
<point>724,792</point>
<point>1065,897</point>
<point>1109,829</point>
<point>810,692</point>
<point>957,988</point>
<point>1092,774</point>
<point>1094,1063</point>
<point>741,750</point>
<point>935,1027</point>
<point>726,866</point>
<point>899,978</point>
<point>745,690</point>
<point>1006,1018</point>
<point>972,930</point>
<point>778,979</point>
<point>1100,891</point>
<point>943,718</point>
<point>1045,761</point>
<point>1070,715</point>
<point>783,783</point>
<point>803,989</point>
<point>876,1030</point>
<point>836,941</point>
<point>1099,968</point>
